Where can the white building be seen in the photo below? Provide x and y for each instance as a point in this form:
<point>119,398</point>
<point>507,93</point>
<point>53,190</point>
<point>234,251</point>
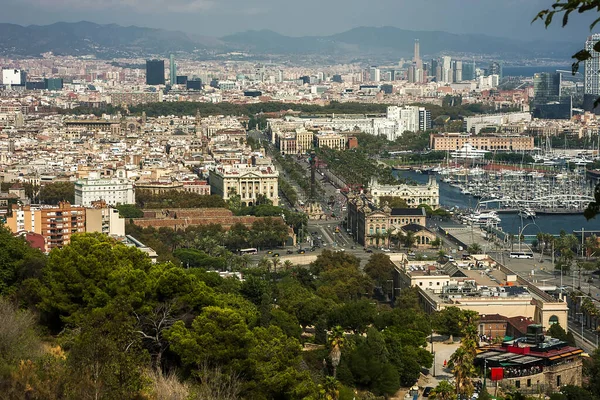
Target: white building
<point>14,77</point>
<point>414,195</point>
<point>113,191</point>
<point>247,181</point>
<point>476,123</point>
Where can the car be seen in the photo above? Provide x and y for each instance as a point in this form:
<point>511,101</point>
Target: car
<point>369,251</point>
<point>290,252</point>
<point>426,391</point>
<point>270,252</point>
<point>301,251</point>
<point>385,250</point>
<point>275,255</point>
<point>412,254</point>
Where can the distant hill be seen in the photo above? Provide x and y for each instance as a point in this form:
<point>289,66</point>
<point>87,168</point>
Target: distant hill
<point>107,41</point>
<point>395,40</point>
<point>83,38</point>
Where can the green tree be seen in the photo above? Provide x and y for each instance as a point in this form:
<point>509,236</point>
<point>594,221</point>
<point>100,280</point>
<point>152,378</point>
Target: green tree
<point>18,338</point>
<point>443,391</point>
<point>53,193</point>
<point>274,359</point>
<point>129,211</point>
<point>448,321</point>
<point>380,269</point>
<point>371,367</point>
<point>218,337</point>
<point>84,275</point>
<point>474,248</point>
<point>407,353</point>
<point>354,315</point>
<point>107,359</point>
<point>18,261</point>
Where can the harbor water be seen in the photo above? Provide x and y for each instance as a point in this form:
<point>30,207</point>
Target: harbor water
<point>451,197</point>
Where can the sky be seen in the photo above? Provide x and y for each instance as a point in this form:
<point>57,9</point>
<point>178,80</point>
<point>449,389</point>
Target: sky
<point>503,18</point>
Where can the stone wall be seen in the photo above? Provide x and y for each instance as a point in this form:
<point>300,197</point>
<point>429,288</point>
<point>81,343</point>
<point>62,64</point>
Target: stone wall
<point>181,218</point>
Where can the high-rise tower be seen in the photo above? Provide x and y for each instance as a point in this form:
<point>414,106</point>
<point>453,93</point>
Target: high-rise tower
<point>155,72</point>
<point>172,70</point>
<point>417,58</point>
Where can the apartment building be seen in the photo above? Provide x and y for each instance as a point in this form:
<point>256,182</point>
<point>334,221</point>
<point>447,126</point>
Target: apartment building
<point>55,223</point>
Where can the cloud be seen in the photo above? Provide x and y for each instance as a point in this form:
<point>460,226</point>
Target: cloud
<point>141,6</point>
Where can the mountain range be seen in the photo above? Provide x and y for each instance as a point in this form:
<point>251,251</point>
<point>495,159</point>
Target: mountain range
<point>106,41</point>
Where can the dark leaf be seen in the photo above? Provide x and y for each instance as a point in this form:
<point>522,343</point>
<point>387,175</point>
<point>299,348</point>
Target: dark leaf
<point>582,55</point>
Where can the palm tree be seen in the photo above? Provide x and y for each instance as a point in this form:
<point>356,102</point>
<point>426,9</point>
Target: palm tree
<point>461,363</point>
<point>287,264</point>
<point>329,389</point>
<point>337,341</point>
<point>265,263</point>
<point>441,254</point>
<point>275,262</point>
<point>443,391</point>
<point>409,239</point>
<point>474,248</point>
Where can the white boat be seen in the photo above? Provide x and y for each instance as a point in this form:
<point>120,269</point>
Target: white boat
<point>483,218</point>
<point>527,213</point>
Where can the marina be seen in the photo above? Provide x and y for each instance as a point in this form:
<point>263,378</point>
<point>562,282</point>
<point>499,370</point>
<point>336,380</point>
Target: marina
<point>452,197</point>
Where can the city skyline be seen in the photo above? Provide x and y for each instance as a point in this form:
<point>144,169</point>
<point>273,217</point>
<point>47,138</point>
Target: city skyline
<point>209,18</point>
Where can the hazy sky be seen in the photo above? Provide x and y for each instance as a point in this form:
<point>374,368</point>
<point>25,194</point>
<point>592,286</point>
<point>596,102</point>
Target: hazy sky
<point>508,18</point>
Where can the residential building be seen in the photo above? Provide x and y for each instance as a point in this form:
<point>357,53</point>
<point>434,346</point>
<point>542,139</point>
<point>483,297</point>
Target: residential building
<point>114,191</point>
<point>104,219</point>
<point>55,223</point>
<point>246,181</point>
<point>456,141</point>
<point>155,72</point>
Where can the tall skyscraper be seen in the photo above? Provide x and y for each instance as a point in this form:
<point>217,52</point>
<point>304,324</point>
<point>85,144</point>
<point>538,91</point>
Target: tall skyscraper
<point>591,77</point>
<point>417,57</point>
<point>548,101</point>
<point>458,74</point>
<point>374,74</point>
<point>447,73</point>
<point>495,68</point>
<point>155,72</point>
<point>546,87</point>
<point>468,70</point>
<point>172,70</point>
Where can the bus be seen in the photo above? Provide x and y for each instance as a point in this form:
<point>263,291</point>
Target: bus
<point>251,250</point>
<point>521,254</point>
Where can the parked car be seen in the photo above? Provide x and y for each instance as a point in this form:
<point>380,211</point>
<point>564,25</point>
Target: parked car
<point>426,391</point>
<point>275,255</point>
<point>290,252</point>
